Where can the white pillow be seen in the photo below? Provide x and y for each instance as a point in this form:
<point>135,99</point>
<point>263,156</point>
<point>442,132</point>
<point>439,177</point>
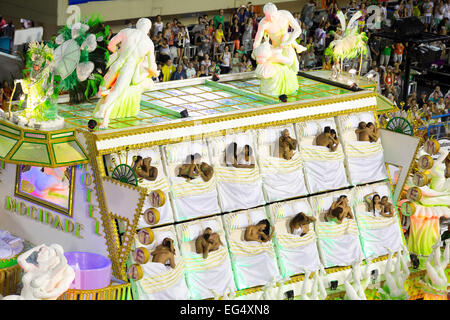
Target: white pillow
<point>309,128</point>
<point>301,206</point>
<point>191,232</point>
<point>352,121</point>
<point>326,123</point>
<point>382,190</point>
<point>367,117</point>
<point>256,216</point>
<point>161,235</point>
<point>242,220</point>
<point>210,224</point>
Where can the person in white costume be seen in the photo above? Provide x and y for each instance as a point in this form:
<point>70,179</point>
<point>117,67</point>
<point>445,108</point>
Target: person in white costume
<point>132,65</point>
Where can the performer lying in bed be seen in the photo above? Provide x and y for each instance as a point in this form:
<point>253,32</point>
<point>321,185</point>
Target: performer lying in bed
<point>375,132</point>
<point>339,210</point>
<point>207,242</point>
<point>244,160</point>
<point>165,253</point>
<point>374,205</point>
<point>196,168</point>
<point>388,208</point>
<point>365,133</point>
<point>327,139</point>
<point>260,232</point>
<point>300,224</point>
<point>287,145</point>
<point>143,169</point>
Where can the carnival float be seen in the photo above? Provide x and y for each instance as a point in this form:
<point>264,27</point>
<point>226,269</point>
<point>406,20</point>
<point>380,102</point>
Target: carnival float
<point>273,184</point>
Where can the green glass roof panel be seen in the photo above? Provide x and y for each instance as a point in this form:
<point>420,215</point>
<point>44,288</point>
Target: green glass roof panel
<point>66,152</point>
<point>32,152</point>
<point>6,144</point>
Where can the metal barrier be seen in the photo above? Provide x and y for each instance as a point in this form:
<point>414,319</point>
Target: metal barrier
<point>445,125</point>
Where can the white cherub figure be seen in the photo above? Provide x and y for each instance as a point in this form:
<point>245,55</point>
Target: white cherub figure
<point>395,279</point>
<point>47,274</point>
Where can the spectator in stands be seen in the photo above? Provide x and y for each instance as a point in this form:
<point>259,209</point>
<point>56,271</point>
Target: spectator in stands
<point>214,68</point>
<point>26,24</point>
<point>158,25</point>
<point>205,43</point>
<point>235,33</point>
<point>199,27</point>
<point>437,90</point>
<point>385,54</point>
<point>164,51</point>
<point>206,62</point>
<point>219,36</point>
<point>423,100</point>
<point>219,19</point>
<point>434,97</point>
<point>167,70</point>
<point>398,52</point>
<point>225,61</point>
<point>247,35</point>
<point>179,74</point>
<point>428,9</point>
<point>409,8</point>
<point>190,71</point>
<point>182,40</point>
<point>241,15</point>
<point>2,22</point>
<point>202,71</point>
<point>235,63</point>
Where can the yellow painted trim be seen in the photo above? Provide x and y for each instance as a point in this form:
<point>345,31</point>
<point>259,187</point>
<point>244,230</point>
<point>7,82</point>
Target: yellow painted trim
<point>223,132</point>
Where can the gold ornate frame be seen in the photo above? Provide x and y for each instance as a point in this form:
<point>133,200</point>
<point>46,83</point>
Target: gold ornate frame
<point>68,212</point>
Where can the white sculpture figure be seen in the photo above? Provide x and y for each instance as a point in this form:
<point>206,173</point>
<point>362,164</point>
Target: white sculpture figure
<point>274,290</point>
<point>317,290</point>
<point>129,74</point>
<point>436,276</point>
<point>360,281</point>
<point>395,279</point>
<point>228,294</point>
<point>275,25</point>
<point>46,273</point>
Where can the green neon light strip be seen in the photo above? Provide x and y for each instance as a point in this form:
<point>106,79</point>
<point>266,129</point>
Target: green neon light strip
<point>229,88</point>
<point>169,112</point>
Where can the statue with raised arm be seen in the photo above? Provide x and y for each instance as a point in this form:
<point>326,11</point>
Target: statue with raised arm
<point>46,273</point>
<point>130,72</point>
<point>281,55</point>
<point>360,280</point>
<point>317,290</point>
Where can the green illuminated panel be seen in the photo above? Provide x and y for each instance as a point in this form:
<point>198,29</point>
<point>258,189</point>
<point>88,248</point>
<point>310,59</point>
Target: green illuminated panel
<point>66,152</point>
<point>6,144</point>
<point>32,152</point>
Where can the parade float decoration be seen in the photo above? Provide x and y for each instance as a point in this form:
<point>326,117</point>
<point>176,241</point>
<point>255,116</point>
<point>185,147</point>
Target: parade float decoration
<point>435,282</point>
<point>277,62</point>
<point>46,273</point>
<point>356,290</point>
<point>428,196</point>
<point>349,44</point>
<point>394,287</point>
<point>80,58</point>
<point>130,72</point>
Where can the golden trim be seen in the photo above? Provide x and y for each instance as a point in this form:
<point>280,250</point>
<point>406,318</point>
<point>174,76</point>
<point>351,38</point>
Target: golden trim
<point>46,204</point>
<point>223,131</point>
<point>113,291</point>
<point>109,229</point>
